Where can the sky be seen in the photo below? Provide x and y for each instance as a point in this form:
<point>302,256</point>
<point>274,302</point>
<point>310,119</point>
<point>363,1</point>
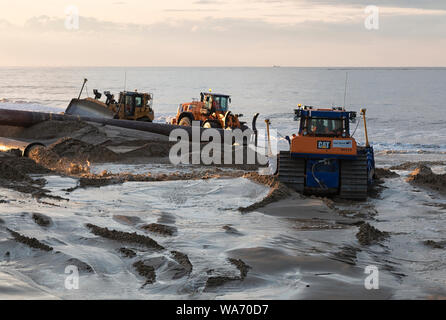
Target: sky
<point>305,33</point>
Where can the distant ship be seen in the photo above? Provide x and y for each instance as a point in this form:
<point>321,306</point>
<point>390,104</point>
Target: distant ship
<point>274,66</point>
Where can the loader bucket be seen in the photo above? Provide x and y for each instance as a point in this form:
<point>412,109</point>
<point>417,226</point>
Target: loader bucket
<point>88,108</point>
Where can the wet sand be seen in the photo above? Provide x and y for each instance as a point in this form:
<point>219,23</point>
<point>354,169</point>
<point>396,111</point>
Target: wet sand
<point>315,277</point>
<point>200,232</point>
<point>15,287</point>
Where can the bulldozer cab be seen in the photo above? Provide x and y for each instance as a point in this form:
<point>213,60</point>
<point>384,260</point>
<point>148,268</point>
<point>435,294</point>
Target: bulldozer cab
<point>216,102</point>
<point>324,122</point>
<point>133,102</point>
<point>325,127</point>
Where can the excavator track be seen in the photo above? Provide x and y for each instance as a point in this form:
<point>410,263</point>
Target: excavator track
<point>354,178</point>
<point>291,171</point>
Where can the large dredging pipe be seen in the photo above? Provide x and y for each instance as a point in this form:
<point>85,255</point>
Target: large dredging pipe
<point>28,118</point>
<point>24,147</point>
<point>25,119</point>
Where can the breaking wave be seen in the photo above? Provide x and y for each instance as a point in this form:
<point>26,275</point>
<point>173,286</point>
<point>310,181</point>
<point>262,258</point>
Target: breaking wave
<point>403,148</point>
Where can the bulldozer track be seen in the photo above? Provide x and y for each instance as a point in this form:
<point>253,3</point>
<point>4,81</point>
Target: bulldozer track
<point>354,178</point>
<point>291,171</point>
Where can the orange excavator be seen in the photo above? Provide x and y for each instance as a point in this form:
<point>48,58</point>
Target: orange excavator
<point>212,111</point>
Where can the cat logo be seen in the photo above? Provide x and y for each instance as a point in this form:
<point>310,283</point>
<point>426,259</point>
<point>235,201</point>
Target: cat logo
<point>323,144</point>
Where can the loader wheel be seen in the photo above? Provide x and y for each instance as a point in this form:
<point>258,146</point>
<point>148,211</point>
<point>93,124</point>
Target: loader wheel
<point>228,120</point>
<point>210,124</point>
<point>185,122</point>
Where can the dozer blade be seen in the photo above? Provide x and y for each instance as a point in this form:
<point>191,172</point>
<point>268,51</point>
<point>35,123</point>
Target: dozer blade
<point>88,108</point>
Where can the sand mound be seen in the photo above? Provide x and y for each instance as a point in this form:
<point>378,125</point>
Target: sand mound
<point>145,271</point>
<point>278,191</point>
<point>347,254</point>
<point>51,160</point>
<point>267,180</point>
<point>52,129</point>
<point>82,266</point>
<point>14,174</point>
<point>423,176</point>
<point>231,230</point>
<point>160,229</point>
<point>414,165</point>
<point>382,173</point>
<point>368,235</point>
<point>8,172</point>
<point>18,168</point>
<point>125,237</point>
<point>128,253</point>
<point>216,281</point>
<point>71,156</point>
<point>435,244</point>
<point>81,151</point>
<point>241,266</point>
<point>89,180</point>
<point>42,220</point>
<point>183,260</point>
<point>30,242</point>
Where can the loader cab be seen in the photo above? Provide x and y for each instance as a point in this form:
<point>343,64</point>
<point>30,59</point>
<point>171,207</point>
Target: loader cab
<point>333,122</point>
<point>217,102</point>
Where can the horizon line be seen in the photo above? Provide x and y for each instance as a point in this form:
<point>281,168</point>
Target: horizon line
<point>271,66</point>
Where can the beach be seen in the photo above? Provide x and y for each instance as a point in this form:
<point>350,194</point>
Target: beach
<point>108,201</point>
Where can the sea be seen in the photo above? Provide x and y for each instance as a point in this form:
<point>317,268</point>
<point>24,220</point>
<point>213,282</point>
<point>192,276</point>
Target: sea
<point>406,116</point>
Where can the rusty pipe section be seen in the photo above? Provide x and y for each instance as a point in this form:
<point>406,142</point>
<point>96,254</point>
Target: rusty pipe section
<point>24,147</point>
<point>20,118</point>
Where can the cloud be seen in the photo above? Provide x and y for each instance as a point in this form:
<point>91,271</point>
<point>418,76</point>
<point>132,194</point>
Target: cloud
<point>5,24</point>
<point>210,2</point>
<point>191,10</point>
<point>308,39</point>
<point>420,4</point>
<point>393,25</point>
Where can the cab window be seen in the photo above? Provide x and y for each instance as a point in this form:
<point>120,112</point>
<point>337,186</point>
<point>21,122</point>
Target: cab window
<point>324,127</point>
<point>128,100</point>
<point>138,102</point>
<point>223,103</point>
<point>129,107</point>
